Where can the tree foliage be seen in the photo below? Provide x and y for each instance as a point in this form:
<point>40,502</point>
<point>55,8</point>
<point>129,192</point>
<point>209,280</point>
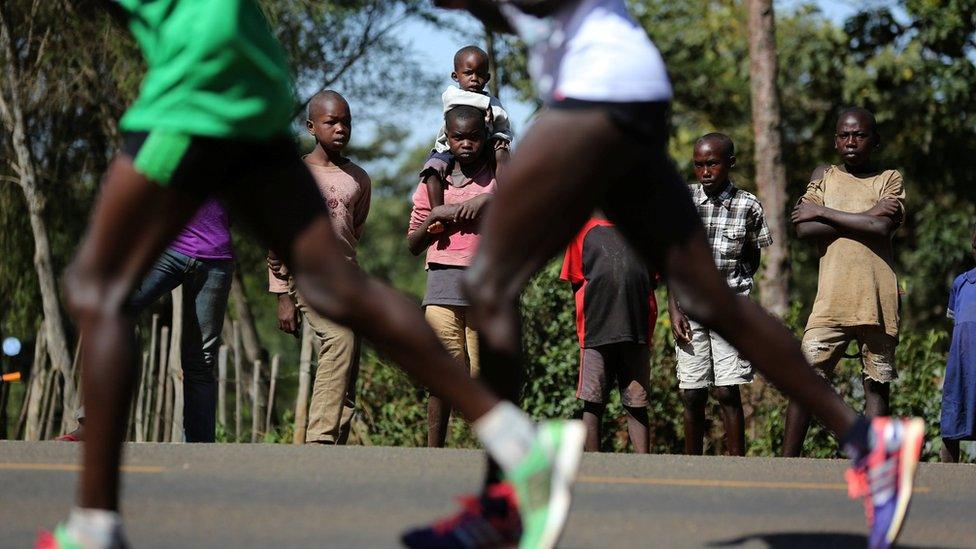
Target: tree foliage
<point>84,74</point>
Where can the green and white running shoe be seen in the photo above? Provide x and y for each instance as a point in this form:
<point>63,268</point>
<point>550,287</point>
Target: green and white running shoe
<point>544,479</point>
<point>59,539</point>
<point>63,538</point>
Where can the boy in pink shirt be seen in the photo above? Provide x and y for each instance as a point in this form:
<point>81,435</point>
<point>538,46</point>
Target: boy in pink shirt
<point>346,189</point>
<point>467,190</point>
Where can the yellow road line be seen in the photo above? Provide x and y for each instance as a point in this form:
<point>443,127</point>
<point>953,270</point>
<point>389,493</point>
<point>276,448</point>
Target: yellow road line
<point>689,482</point>
<point>718,483</point>
<point>71,467</point>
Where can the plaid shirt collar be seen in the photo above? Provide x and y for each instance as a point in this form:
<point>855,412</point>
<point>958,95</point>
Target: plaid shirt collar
<point>723,198</point>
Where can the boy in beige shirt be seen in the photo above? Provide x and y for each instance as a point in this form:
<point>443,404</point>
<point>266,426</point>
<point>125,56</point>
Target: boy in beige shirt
<point>346,188</point>
<point>850,211</point>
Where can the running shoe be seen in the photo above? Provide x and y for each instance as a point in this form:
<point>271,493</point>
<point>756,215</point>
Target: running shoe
<point>883,478</point>
<point>544,479</point>
<point>59,539</point>
<point>62,538</point>
<point>487,521</point>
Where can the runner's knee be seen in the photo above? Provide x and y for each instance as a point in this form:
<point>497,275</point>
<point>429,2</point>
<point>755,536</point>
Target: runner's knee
<point>87,294</point>
<point>482,290</point>
<point>336,295</point>
<point>717,311</point>
<point>699,308</point>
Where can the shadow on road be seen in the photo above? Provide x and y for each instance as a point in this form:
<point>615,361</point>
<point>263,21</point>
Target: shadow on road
<point>802,540</point>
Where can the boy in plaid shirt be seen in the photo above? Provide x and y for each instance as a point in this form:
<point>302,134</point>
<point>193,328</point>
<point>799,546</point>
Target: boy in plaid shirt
<point>736,231</point>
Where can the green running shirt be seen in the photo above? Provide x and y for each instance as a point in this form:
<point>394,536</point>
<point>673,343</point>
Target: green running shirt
<point>215,70</point>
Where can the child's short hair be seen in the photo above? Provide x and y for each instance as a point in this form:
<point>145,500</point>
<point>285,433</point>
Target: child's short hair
<point>721,139</point>
<point>322,95</point>
<point>859,111</point>
<point>467,50</point>
<point>464,113</point>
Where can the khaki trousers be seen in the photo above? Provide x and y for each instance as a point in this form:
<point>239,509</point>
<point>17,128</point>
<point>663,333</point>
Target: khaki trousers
<point>334,389</point>
<point>451,326</point>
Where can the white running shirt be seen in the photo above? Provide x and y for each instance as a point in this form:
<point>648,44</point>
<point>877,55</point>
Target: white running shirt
<point>591,50</point>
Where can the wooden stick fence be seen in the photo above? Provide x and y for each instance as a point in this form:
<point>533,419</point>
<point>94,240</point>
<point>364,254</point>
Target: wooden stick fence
<point>304,383</point>
<point>275,364</point>
<point>156,413</point>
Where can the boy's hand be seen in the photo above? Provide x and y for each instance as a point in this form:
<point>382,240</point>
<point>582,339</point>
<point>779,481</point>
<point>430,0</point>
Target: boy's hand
<point>443,213</point>
<point>680,327</point>
<point>886,207</point>
<point>440,216</point>
<point>805,211</point>
<point>502,145</point>
<point>288,319</point>
<point>469,210</point>
<point>277,268</point>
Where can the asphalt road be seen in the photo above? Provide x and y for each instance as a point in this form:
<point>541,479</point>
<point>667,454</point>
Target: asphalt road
<point>285,496</point>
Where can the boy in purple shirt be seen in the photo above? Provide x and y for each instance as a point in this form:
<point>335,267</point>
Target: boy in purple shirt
<point>200,259</point>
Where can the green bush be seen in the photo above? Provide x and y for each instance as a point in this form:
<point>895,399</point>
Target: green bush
<point>395,412</point>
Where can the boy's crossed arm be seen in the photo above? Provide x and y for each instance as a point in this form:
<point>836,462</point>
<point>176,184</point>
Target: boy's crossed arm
<point>817,222</point>
<point>468,211</point>
<point>813,221</point>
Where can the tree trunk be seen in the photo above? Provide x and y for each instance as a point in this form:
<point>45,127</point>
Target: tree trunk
<point>494,85</point>
<point>22,419</point>
<point>249,332</point>
<point>68,419</point>
<point>52,408</point>
<point>770,171</point>
<point>47,397</point>
<point>35,405</point>
<point>12,113</point>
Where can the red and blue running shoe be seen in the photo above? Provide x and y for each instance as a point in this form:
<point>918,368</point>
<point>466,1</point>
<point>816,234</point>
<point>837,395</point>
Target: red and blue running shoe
<point>490,520</point>
<point>883,477</point>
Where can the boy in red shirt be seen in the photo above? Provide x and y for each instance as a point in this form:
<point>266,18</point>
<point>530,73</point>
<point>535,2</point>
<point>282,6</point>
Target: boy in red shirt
<point>615,316</point>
